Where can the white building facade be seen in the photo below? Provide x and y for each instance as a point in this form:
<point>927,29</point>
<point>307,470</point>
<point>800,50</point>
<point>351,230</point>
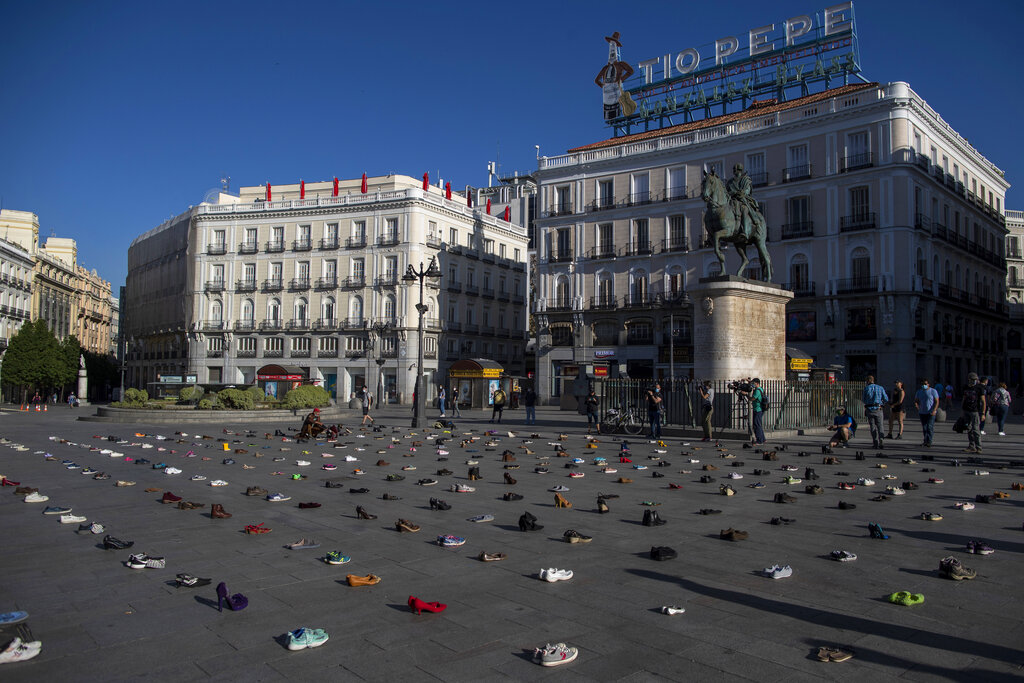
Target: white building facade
<point>16,275</point>
<point>883,220</point>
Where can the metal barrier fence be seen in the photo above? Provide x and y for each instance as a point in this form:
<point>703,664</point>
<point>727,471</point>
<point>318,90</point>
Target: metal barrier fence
<point>792,405</point>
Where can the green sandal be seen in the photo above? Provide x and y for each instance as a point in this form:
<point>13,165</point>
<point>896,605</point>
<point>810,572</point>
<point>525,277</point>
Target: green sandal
<point>906,598</point>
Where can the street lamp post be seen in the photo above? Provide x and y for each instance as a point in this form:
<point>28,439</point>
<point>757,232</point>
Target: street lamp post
<point>412,275</point>
<point>378,329</point>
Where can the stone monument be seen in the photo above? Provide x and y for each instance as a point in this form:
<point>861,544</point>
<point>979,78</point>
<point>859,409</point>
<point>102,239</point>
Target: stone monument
<point>83,383</point>
<point>739,329</point>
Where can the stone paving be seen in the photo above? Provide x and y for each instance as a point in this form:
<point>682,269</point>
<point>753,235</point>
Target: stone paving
<point>99,620</point>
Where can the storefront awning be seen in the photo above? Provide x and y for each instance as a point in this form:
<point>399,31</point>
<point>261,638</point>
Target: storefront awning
<point>476,368</point>
<point>281,373</point>
<point>793,352</point>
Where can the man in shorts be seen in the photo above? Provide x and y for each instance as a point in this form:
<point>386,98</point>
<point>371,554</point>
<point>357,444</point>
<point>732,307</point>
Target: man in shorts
<point>367,399</point>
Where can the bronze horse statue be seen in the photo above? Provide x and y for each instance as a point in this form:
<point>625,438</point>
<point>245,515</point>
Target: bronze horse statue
<point>722,225</point>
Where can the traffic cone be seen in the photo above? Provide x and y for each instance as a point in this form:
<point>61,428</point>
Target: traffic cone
<point>37,408</point>
<point>45,409</point>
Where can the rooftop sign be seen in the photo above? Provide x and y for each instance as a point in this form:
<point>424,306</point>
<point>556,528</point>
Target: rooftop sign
<point>727,75</point>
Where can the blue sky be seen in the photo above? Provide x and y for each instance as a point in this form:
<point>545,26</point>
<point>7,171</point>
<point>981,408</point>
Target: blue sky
<point>117,115</point>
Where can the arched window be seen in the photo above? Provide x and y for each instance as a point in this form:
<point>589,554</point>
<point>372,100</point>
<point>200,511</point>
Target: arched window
<point>562,292</point>
<point>248,310</point>
<point>799,274</point>
<point>389,307</point>
<point>605,290</point>
<point>274,309</point>
<point>217,311</point>
<point>948,278</point>
<point>301,309</point>
<point>639,287</point>
<point>355,309</point>
<point>860,264</point>
<point>1013,276</point>
<point>327,311</point>
<point>921,264</point>
<point>714,268</point>
<point>957,282</point>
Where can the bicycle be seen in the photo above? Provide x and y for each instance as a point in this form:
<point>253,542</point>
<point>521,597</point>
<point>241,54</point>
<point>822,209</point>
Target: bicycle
<point>628,420</point>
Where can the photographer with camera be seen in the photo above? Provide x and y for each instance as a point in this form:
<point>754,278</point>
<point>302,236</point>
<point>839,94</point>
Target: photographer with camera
<point>654,403</point>
<point>707,395</point>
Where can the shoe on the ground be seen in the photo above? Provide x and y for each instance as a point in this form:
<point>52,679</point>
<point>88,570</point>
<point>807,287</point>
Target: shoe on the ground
<point>573,536</point>
<point>368,580</point>
<point>731,534</point>
<point>814,490</point>
<point>554,655</point>
<point>951,568</point>
<point>843,556</point>
<point>72,519</point>
<point>778,572</point>
<point>144,561</point>
<point>551,574</point>
<point>672,609</point>
<point>256,491</point>
<point>907,598</point>
<point>277,497</point>
<point>56,510</point>
<point>450,541</point>
<point>784,498</point>
<point>709,511</point>
<point>781,521</point>
<point>979,548</point>
<point>931,516</point>
<point>111,543</point>
<point>303,544</point>
<point>834,654</point>
<point>335,557</point>
<point>843,505</point>
<point>405,525</point>
<point>876,531</point>
<point>35,497</point>
<point>662,553</point>
<point>189,581</point>
<point>20,651</point>
<point>481,518</point>
<point>302,638</point>
<point>491,557</point>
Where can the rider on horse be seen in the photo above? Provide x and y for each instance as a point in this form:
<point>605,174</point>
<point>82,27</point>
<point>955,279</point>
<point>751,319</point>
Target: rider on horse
<point>744,206</point>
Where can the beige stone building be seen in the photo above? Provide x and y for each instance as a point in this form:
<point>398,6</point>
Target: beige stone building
<point>884,221</point>
<point>314,285</point>
<point>94,324</point>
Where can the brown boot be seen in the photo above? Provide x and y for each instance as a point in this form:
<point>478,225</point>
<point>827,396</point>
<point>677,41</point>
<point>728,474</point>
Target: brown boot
<point>217,512</point>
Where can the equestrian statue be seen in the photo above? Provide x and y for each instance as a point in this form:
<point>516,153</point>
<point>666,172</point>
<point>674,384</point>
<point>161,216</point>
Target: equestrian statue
<point>733,216</point>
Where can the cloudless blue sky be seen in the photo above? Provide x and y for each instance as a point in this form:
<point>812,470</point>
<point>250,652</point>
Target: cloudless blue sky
<point>117,115</point>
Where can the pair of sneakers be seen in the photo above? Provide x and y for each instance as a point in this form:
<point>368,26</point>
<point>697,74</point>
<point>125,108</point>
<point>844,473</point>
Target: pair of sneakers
<point>778,572</point>
<point>555,655</point>
<point>20,651</point>
<point>144,561</point>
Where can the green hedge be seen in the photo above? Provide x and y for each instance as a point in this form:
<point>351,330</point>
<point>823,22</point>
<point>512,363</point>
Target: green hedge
<point>306,396</point>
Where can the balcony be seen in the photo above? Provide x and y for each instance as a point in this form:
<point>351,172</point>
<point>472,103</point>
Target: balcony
<point>274,246</point>
<point>354,282</point>
<point>800,289</point>
<point>299,353</point>
<point>488,257</point>
<point>558,305</point>
<point>433,241</point>
<point>245,325</point>
<point>327,353</point>
<point>325,324</point>
<point>302,245</point>
<point>453,326</point>
<point>854,285</point>
<point>245,353</point>
<point>212,353</point>
<point>273,353</point>
<point>245,285</point>
<point>298,324</point>
<point>328,282</point>
<point>248,247</point>
<point>215,286</point>
<point>561,209</point>
<point>858,221</point>
<point>603,303</point>
<point>602,251</point>
<point>329,243</point>
<point>488,330</point>
<point>354,323</point>
<point>861,333</point>
<point>855,162</point>
<point>487,292</point>
<point>794,173</point>
<point>471,328</point>
<point>639,249</point>
<point>675,244</point>
<point>759,179</point>
<point>430,353</point>
<point>472,290</point>
<point>355,242</point>
<point>355,353</point>
<point>639,301</point>
<point>213,325</point>
<point>454,286</point>
<point>601,204</point>
<point>389,239</point>
<point>471,253</point>
<point>639,199</point>
<point>520,266</point>
<point>216,249</point>
<point>504,296</point>
<point>791,231</point>
<point>298,284</point>
<point>271,326</point>
<point>922,222</point>
<point>922,160</point>
<point>638,338</point>
<point>431,324</point>
<point>387,280</point>
<point>560,256</point>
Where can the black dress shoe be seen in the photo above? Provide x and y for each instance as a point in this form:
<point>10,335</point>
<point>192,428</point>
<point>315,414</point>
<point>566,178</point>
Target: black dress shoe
<point>111,543</point>
<point>662,553</point>
<point>359,490</point>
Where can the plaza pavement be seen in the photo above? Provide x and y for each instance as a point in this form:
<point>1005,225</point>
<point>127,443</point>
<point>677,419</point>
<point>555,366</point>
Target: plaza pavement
<point>100,621</point>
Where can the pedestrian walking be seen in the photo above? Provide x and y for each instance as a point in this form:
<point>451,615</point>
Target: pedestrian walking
<point>498,403</point>
<point>874,397</point>
<point>707,408</point>
<point>590,402</point>
<point>987,389</point>
<point>926,400</point>
<point>757,405</point>
<point>72,400</point>
<point>455,403</point>
<point>972,403</point>
<point>530,403</point>
<point>896,411</point>
<point>441,398</point>
<point>654,403</point>
<point>367,400</point>
<point>1000,406</point>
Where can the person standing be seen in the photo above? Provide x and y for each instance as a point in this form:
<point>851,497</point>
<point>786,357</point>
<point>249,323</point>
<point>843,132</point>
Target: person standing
<point>707,408</point>
<point>654,413</point>
<point>926,400</point>
<point>530,403</point>
<point>1001,406</point>
<point>972,403</point>
<point>757,410</point>
<point>367,400</point>
<point>590,402</point>
<point>498,404</point>
<point>896,409</point>
<point>874,398</point>
<point>441,398</point>
<point>71,400</point>
<point>455,403</point>
<point>987,389</point>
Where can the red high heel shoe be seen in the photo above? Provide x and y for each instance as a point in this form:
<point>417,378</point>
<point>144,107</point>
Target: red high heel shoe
<point>624,459</point>
<point>7,482</point>
<point>417,605</point>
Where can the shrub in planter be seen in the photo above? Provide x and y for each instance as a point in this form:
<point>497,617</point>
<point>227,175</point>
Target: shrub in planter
<point>236,399</point>
<point>190,393</point>
<point>205,404</point>
<point>136,396</point>
<point>306,396</point>
<point>258,395</point>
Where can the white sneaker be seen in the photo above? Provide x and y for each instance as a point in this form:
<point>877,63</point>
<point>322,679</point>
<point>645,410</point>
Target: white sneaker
<point>218,482</point>
<point>351,458</point>
<point>735,475</point>
<point>198,477</point>
<point>778,572</point>
<point>1002,433</point>
<point>20,651</point>
<point>36,498</point>
<point>551,575</point>
<point>983,432</point>
<point>72,519</point>
<point>172,470</point>
<point>672,609</point>
<point>864,481</point>
<point>302,463</point>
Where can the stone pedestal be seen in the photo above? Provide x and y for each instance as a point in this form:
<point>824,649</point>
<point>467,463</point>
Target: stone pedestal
<point>83,388</point>
<point>739,329</point>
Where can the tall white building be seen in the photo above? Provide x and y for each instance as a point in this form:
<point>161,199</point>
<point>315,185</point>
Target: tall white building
<point>16,266</point>
<point>308,283</point>
<point>885,222</point>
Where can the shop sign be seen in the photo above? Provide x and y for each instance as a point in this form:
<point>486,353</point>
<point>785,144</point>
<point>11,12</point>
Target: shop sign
<point>600,371</point>
<point>280,378</point>
<point>800,364</point>
<point>604,353</point>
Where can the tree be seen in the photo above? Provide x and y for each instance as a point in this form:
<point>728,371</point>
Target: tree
<point>33,358</point>
<point>70,351</point>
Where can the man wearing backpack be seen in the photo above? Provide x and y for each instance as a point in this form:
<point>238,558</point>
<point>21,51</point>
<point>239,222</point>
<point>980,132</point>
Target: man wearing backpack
<point>973,406</point>
<point>499,404</point>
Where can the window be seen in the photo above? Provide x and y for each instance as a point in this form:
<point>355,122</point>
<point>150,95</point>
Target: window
<point>564,252</point>
<point>219,240</point>
<point>327,308</point>
<point>215,344</point>
<point>605,198</point>
<point>501,250</point>
<point>355,343</point>
<point>355,309</point>
<point>358,230</point>
<point>302,236</point>
<point>389,307</point>
<point>562,203</point>
<point>432,230</point>
<point>329,344</point>
<point>917,142</point>
<point>641,236</point>
<point>677,232</point>
<point>676,281</point>
<point>248,311</point>
<point>249,273</point>
<point>331,233</point>
<point>516,256</point>
<point>330,267</point>
<point>516,287</point>
<point>860,202</point>
<point>858,150</point>
<point>860,264</point>
<point>606,334</point>
<point>639,289</point>
<point>273,344</point>
<point>250,238</point>
<point>488,246</point>
<point>216,312</point>
<point>247,344</point>
<point>358,268</point>
<point>562,292</point>
<point>453,274</point>
<point>677,183</point>
<point>641,193</point>
<point>217,275</point>
<point>453,236</point>
<point>276,269</point>
<point>755,168</point>
<point>798,274</point>
<point>470,277</point>
<point>639,333</point>
<point>606,239</point>
<point>799,217</point>
<point>922,264</point>
<point>797,163</point>
<point>274,310</point>
<point>717,166</point>
<point>301,310</point>
<point>302,271</point>
<point>277,235</point>
<point>300,344</point>
<point>391,230</point>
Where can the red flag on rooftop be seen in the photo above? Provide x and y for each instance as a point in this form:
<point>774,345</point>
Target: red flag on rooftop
<point>335,186</point>
<point>508,213</point>
<point>447,190</point>
<point>363,188</point>
<point>469,198</point>
<point>269,193</point>
<point>426,182</point>
<point>302,189</point>
<point>488,207</point>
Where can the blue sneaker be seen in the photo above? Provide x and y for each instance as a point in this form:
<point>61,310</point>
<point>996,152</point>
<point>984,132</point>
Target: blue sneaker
<point>335,557</point>
<point>450,541</point>
<point>301,638</point>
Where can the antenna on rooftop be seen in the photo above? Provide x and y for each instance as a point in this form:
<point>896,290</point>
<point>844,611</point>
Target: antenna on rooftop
<point>225,181</point>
